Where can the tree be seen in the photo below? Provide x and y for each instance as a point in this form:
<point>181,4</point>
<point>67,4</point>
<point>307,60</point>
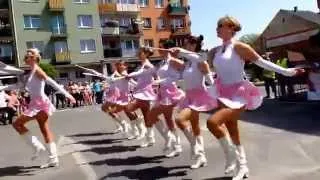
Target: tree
<point>249,39</point>
<point>49,70</point>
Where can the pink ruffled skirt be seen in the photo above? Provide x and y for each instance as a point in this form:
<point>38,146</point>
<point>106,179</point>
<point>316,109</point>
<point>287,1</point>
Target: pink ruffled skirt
<point>238,95</point>
<point>198,100</point>
<point>169,94</point>
<point>147,93</point>
<point>38,104</point>
<point>118,97</point>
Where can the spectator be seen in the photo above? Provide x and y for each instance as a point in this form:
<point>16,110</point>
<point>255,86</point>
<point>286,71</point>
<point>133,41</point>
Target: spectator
<point>97,86</point>
<point>60,98</point>
<point>269,79</point>
<point>13,105</point>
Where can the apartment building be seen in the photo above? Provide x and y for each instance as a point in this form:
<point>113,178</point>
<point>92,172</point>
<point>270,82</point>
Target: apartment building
<point>66,32</point>
<point>129,24</point>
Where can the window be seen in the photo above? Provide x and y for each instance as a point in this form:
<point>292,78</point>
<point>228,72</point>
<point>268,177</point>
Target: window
<point>60,47</point>
<point>57,24</point>
<point>147,23</point>
<point>126,1</point>
<point>159,3</point>
<point>85,21</point>
<point>87,46</point>
<point>6,50</point>
<point>175,3</point>
<point>148,43</point>
<point>32,22</point>
<point>144,3</point>
<point>81,1</point>
<point>177,23</point>
<point>106,1</point>
<point>161,23</point>
<point>125,22</point>
<point>36,44</point>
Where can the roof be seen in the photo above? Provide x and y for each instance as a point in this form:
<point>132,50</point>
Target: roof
<point>306,15</point>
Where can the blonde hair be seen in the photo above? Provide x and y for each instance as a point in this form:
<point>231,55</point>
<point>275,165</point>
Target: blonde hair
<point>36,53</point>
<point>231,22</point>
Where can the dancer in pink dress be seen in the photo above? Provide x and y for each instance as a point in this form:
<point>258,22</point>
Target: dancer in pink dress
<point>235,94</point>
<point>40,108</point>
<point>144,93</point>
<point>197,98</point>
<point>168,97</point>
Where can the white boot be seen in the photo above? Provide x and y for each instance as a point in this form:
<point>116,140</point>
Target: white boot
<point>124,126</point>
<point>243,171</point>
<point>149,139</point>
<point>118,128</point>
<point>141,127</point>
<point>177,148</point>
<point>34,143</point>
<point>53,160</point>
<point>201,159</point>
<point>134,132</point>
<point>166,134</point>
<point>189,135</point>
<point>230,155</point>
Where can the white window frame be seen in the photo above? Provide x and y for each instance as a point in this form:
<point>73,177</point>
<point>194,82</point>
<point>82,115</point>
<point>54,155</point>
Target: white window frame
<point>81,1</point>
<point>87,50</point>
<point>31,18</point>
<point>144,4</point>
<point>161,23</point>
<point>159,3</point>
<point>80,20</point>
<point>148,43</point>
<point>176,4</point>
<point>177,23</point>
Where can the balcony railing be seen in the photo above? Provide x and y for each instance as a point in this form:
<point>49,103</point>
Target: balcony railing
<point>111,31</point>
<point>56,5</point>
<point>107,8</point>
<point>112,53</point>
<point>176,10</point>
<point>62,57</point>
<point>114,7</point>
<point>129,52</point>
<point>130,31</point>
<point>5,32</point>
<point>59,32</point>
<point>180,31</point>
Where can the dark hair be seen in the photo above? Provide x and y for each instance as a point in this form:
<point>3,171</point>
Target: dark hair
<point>147,51</point>
<point>169,44</point>
<point>195,40</point>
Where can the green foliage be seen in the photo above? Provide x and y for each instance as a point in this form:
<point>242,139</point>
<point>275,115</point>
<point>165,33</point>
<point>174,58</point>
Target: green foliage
<point>49,69</point>
<point>249,39</point>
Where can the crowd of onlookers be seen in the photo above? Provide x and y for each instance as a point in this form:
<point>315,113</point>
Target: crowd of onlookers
<point>14,102</point>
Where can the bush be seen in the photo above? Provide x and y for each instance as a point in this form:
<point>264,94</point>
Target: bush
<point>49,69</point>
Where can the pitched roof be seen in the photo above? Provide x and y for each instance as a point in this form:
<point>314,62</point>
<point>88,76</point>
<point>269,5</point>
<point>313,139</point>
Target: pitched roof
<point>307,15</point>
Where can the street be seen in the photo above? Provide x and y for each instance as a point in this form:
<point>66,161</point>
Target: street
<point>281,141</point>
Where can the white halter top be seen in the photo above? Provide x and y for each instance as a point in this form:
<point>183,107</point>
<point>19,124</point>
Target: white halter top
<point>35,86</point>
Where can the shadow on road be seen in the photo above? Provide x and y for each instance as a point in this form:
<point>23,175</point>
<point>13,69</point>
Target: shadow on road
<point>99,142</point>
<point>90,134</point>
<point>156,172</point>
<point>130,161</point>
<point>219,178</point>
<point>17,171</point>
<point>111,149</point>
<point>296,117</point>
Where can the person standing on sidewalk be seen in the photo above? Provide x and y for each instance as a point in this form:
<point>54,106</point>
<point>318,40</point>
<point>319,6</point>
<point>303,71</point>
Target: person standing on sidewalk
<point>269,79</point>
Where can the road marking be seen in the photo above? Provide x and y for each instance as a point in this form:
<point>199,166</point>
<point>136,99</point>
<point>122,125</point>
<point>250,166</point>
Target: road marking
<point>70,146</point>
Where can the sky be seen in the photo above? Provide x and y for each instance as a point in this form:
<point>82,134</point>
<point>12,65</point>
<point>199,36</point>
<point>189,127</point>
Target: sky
<point>254,15</point>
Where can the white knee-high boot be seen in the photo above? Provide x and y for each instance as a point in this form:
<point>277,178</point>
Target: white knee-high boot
<point>34,143</point>
<point>149,139</point>
<point>243,171</point>
<point>166,134</point>
<point>177,148</point>
<point>53,160</point>
<point>141,127</point>
<point>134,131</point>
<point>201,159</point>
<point>230,154</point>
<point>189,135</point>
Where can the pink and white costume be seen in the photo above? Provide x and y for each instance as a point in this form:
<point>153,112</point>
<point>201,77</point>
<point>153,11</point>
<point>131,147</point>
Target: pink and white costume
<point>168,92</point>
<point>39,100</point>
<point>197,95</point>
<point>144,88</point>
<point>118,92</point>
<point>231,87</point>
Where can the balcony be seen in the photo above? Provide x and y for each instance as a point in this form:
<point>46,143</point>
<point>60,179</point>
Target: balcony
<point>107,8</point>
<point>177,11</point>
<point>59,32</point>
<point>5,31</point>
<point>108,53</point>
<point>129,52</point>
<point>56,5</point>
<point>113,31</point>
<point>130,32</point>
<point>62,57</point>
<point>133,8</point>
<point>180,31</point>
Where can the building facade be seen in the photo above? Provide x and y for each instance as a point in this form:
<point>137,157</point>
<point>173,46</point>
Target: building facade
<point>66,32</point>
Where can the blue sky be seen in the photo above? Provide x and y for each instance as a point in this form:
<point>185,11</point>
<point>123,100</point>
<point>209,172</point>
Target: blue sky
<point>254,15</point>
